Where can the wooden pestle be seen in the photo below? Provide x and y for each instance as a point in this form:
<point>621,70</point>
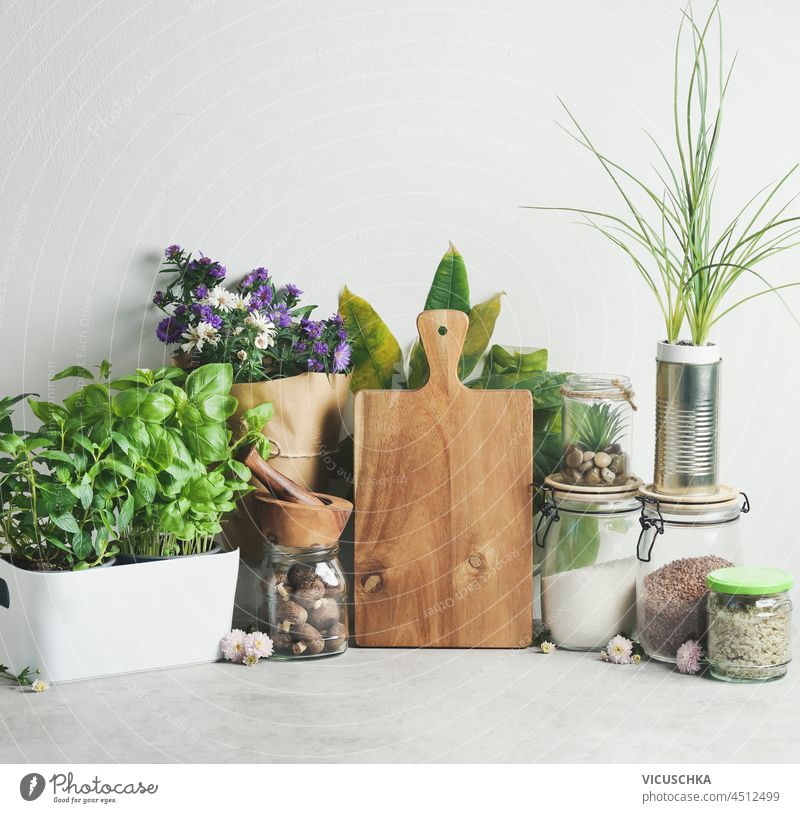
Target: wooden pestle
<point>280,486</point>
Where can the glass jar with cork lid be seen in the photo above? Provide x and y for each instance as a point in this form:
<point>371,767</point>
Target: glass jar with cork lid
<point>596,430</point>
<point>682,540</point>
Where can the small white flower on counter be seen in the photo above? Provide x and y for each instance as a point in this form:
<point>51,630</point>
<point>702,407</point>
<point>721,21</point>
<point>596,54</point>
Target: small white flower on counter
<point>547,647</point>
<point>39,686</point>
<point>619,649</point>
<point>250,660</point>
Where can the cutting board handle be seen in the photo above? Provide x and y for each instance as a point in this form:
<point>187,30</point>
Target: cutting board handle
<point>442,333</point>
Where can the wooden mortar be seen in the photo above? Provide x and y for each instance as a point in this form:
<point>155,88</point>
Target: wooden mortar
<point>298,525</point>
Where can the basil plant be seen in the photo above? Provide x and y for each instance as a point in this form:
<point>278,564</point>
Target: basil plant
<point>144,464</point>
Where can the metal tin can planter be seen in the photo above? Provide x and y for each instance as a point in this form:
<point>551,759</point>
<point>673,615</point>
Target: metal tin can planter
<point>681,542</point>
<point>73,625</point>
<point>749,624</point>
<point>587,539</point>
<point>596,430</point>
<point>304,601</point>
<point>687,419</point>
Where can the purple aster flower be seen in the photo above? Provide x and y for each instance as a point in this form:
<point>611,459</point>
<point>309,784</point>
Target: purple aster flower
<point>172,251</point>
<point>300,347</point>
<point>337,320</point>
<point>217,271</point>
<point>205,314</point>
<point>341,357</point>
<point>321,348</point>
<point>262,296</point>
<point>315,366</point>
<point>200,292</point>
<point>169,330</point>
<point>293,290</point>
<point>313,329</point>
<point>280,316</point>
<point>180,310</point>
<point>158,298</point>
<point>342,334</point>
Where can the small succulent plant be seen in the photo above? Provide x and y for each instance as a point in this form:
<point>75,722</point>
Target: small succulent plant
<point>598,426</point>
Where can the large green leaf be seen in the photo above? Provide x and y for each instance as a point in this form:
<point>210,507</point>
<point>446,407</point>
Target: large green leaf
<point>482,319</point>
<point>218,407</point>
<point>210,379</point>
<point>450,287</point>
<point>208,443</point>
<point>376,352</point>
<point>417,366</point>
<point>519,359</point>
<point>151,407</point>
<point>544,385</point>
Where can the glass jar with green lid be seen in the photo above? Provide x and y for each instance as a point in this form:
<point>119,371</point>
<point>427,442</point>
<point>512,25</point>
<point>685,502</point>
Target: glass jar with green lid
<point>749,624</point>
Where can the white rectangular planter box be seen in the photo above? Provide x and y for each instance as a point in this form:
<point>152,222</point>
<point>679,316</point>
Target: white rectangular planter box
<point>111,620</point>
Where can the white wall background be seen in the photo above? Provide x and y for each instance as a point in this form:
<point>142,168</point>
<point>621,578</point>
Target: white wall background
<point>347,142</point>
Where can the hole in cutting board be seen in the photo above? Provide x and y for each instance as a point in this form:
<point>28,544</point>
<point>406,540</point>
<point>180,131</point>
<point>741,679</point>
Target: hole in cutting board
<point>442,330</point>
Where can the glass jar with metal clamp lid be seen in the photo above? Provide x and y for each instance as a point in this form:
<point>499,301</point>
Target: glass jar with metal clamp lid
<point>682,540</point>
<point>587,540</point>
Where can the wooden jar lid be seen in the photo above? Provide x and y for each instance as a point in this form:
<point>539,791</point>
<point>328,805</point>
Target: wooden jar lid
<point>721,496</point>
<point>627,490</point>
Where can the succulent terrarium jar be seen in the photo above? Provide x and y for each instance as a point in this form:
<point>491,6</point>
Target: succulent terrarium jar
<point>303,605</point>
<point>596,430</point>
<point>749,624</point>
<point>587,543</point>
<point>682,540</point>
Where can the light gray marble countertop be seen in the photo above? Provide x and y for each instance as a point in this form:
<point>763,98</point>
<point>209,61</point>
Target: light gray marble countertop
<point>380,705</point>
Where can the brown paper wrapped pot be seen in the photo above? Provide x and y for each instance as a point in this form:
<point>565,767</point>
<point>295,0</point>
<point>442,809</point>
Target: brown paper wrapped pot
<point>306,424</point>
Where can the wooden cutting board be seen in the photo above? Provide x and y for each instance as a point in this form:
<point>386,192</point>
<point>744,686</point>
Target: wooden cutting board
<point>443,485</point>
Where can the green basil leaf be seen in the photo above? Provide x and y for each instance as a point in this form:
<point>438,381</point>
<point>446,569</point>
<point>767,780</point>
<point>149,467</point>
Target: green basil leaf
<point>146,487</point>
<point>208,443</point>
<point>210,379</point>
<point>54,454</point>
<point>126,514</point>
<point>82,544</point>
<point>218,407</point>
<point>74,372</point>
<point>240,470</point>
<point>66,522</point>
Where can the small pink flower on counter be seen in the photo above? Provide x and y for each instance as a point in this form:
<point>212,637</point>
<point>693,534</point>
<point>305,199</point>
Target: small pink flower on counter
<point>250,660</point>
<point>688,657</point>
<point>547,647</point>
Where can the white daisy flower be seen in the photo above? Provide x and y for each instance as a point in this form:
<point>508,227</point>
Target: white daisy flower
<point>39,686</point>
<point>198,335</point>
<point>239,302</point>
<point>265,339</point>
<point>221,298</point>
<point>547,647</point>
<point>242,355</point>
<point>260,321</point>
<point>258,644</point>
